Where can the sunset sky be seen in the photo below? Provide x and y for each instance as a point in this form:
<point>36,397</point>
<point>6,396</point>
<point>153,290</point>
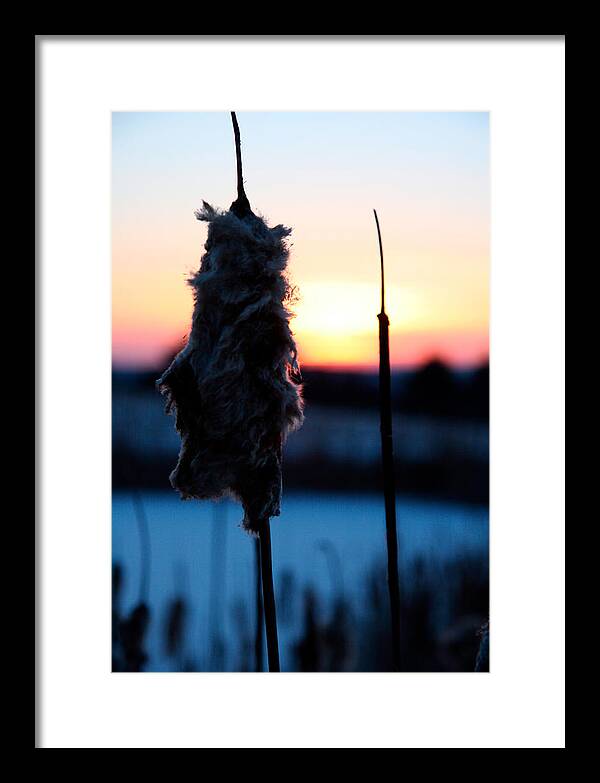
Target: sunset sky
<point>427,174</point>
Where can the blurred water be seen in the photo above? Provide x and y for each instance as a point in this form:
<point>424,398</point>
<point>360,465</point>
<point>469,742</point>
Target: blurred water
<point>324,540</point>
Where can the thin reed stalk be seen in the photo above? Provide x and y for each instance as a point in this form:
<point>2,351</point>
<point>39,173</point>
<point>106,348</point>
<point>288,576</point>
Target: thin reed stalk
<point>258,638</point>
<point>145,546</point>
<point>266,568</point>
<point>218,554</point>
<point>241,206</point>
<point>387,456</point>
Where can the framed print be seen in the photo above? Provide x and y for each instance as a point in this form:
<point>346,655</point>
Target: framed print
<point>293,395</point>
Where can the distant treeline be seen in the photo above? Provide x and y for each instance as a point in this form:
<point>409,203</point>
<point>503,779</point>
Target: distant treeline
<point>460,480</point>
<point>433,393</point>
<point>432,390</point>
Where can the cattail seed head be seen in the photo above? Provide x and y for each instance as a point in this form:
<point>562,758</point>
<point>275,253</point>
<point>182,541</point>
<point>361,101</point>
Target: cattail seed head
<point>235,386</point>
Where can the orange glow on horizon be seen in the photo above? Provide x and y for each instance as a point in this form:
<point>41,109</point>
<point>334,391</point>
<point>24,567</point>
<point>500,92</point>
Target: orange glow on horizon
<point>335,324</point>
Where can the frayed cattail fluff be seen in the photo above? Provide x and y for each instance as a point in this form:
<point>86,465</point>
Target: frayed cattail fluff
<point>235,387</point>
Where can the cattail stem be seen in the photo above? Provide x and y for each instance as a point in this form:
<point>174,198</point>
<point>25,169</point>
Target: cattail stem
<point>258,639</point>
<point>387,455</point>
<point>238,155</point>
<point>241,206</point>
<point>266,568</point>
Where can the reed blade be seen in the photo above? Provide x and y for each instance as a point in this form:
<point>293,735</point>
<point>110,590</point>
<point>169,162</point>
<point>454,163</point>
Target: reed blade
<point>387,457</point>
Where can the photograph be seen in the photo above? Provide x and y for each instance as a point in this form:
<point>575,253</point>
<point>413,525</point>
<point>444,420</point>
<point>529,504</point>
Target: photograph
<point>300,392</point>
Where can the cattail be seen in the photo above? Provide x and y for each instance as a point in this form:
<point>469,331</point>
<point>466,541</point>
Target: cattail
<point>387,456</point>
<point>235,387</point>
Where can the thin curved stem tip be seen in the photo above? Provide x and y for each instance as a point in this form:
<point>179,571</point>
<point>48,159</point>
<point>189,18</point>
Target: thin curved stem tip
<point>381,257</point>
<point>238,155</point>
<point>241,206</point>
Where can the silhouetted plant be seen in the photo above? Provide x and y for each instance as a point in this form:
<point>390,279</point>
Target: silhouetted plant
<point>216,591</point>
<point>235,386</point>
<point>286,597</point>
<point>337,633</point>
<point>308,648</point>
<point>482,663</point>
<point>418,608</point>
<point>175,626</point>
<point>117,584</point>
<point>259,614</point>
<point>145,546</point>
<point>244,635</point>
<point>132,633</point>
<point>438,637</point>
<point>387,459</point>
<point>334,565</point>
<point>324,645</point>
<point>374,633</point>
<point>132,628</point>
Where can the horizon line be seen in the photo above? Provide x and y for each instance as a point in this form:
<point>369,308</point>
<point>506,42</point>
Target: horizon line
<point>332,368</point>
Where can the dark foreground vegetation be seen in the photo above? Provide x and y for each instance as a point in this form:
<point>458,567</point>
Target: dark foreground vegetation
<point>441,452</point>
<point>444,610</point>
